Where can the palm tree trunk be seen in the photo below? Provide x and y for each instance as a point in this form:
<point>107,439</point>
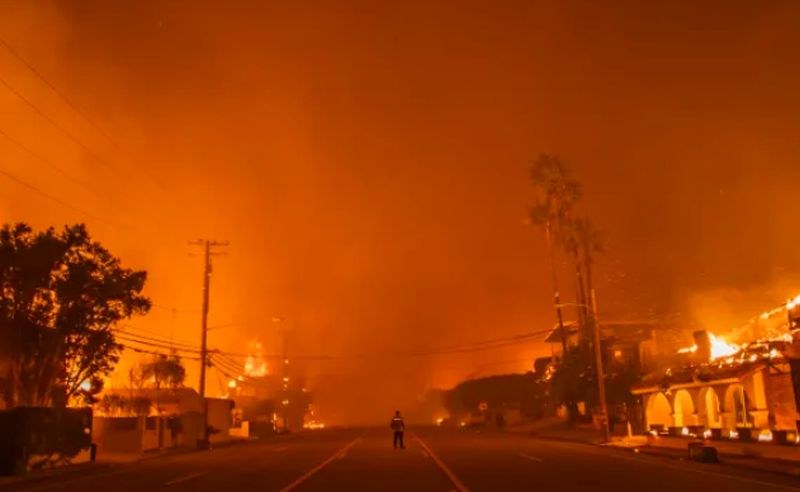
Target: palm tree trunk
<point>583,300</point>
<point>556,295</point>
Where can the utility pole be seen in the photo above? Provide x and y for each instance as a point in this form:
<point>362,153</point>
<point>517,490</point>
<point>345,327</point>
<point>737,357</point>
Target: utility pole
<point>208,252</point>
<point>598,361</point>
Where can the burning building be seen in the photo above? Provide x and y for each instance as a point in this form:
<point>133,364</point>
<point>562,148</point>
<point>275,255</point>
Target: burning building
<point>719,388</point>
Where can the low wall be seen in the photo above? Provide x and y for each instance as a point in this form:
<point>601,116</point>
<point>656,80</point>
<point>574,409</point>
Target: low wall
<point>118,434</point>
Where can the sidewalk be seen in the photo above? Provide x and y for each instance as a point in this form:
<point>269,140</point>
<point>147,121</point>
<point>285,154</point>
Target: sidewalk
<point>42,475</point>
<point>121,458</point>
<point>783,460</point>
<point>558,430</point>
<point>103,461</point>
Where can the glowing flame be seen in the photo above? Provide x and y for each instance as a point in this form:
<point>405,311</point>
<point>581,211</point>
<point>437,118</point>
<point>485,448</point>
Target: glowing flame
<point>765,436</point>
<point>793,303</point>
<point>720,348</point>
<point>255,365</point>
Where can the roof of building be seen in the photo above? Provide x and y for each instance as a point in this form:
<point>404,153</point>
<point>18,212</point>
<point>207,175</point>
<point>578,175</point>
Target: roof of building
<point>750,359</point>
<point>633,331</point>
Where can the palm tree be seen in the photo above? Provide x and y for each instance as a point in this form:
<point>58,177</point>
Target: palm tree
<point>571,243</point>
<point>589,241</point>
<point>559,193</point>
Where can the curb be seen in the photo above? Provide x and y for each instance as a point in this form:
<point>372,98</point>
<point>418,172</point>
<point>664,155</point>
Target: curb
<point>789,469</point>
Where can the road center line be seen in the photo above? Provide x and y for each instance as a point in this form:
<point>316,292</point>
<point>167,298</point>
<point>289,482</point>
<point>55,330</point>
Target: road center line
<point>529,457</point>
<point>186,478</point>
<point>316,469</point>
<point>457,483</point>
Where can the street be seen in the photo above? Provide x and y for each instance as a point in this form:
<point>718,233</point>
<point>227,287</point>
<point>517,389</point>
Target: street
<point>434,460</point>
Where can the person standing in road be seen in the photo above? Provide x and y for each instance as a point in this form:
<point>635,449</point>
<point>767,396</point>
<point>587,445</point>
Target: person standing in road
<point>399,428</point>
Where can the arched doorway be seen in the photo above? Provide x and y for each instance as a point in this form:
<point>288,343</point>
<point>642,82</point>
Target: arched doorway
<point>709,408</point>
<point>658,411</point>
<point>737,403</point>
<point>683,410</point>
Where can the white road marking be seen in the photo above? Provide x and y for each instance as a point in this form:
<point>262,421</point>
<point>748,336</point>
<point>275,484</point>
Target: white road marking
<point>337,455</point>
<point>529,457</point>
<point>186,478</point>
<point>457,483</point>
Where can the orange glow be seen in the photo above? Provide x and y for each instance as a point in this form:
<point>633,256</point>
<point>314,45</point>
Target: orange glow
<point>719,348</point>
<point>366,202</point>
<point>255,365</point>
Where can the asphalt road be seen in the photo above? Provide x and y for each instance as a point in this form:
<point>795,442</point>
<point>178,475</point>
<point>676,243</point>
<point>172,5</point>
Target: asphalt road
<point>434,460</point>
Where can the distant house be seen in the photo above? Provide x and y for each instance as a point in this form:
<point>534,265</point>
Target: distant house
<point>175,419</point>
<point>630,343</point>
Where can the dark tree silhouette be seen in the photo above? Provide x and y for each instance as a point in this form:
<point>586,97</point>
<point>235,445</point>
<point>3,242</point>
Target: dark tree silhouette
<point>558,195</point>
<point>163,371</point>
<point>62,294</point>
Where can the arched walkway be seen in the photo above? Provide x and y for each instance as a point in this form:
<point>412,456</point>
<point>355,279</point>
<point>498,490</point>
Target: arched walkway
<point>683,410</point>
<point>658,410</point>
<point>737,405</point>
<point>709,410</point>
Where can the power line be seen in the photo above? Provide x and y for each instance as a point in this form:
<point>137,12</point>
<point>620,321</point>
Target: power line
<point>55,124</point>
<point>176,345</point>
<point>151,352</point>
<point>155,335</point>
<point>68,101</point>
<point>58,92</point>
<point>483,344</point>
<point>162,346</point>
<point>227,364</point>
<point>458,349</point>
<point>47,162</point>
<point>57,200</point>
<point>231,363</point>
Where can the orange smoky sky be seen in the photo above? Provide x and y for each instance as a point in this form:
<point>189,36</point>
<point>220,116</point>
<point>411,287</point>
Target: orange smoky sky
<point>368,162</point>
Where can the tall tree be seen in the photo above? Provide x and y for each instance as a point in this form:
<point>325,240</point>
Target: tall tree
<point>589,241</point>
<point>558,194</point>
<point>62,294</point>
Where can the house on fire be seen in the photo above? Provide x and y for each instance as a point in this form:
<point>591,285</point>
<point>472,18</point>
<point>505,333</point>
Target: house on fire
<point>749,391</point>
